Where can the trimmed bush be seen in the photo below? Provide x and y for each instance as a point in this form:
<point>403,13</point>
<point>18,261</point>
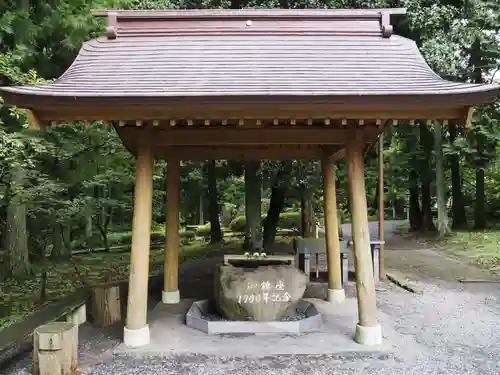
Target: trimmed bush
<point>238,224</point>
<point>157,238</point>
<point>287,220</point>
<point>203,230</point>
<point>125,238</point>
<point>187,235</point>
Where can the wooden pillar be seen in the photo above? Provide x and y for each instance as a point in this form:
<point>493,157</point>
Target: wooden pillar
<point>336,292</point>
<point>170,293</point>
<point>381,207</point>
<point>136,330</point>
<point>368,331</point>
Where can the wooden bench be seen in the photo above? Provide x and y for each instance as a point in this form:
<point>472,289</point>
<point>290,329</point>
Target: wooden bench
<point>17,338</point>
<point>375,250</point>
<point>311,248</point>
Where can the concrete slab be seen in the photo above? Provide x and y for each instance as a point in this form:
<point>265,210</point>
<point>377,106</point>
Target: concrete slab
<point>170,336</point>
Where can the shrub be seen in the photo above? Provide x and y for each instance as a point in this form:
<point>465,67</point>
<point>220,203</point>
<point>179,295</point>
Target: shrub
<point>238,224</point>
<point>157,238</point>
<point>119,238</point>
<point>290,220</point>
<point>287,220</point>
<point>203,230</point>
<point>125,238</point>
<point>187,235</point>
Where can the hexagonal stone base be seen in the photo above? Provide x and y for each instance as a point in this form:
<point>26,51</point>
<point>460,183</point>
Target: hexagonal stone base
<point>196,318</point>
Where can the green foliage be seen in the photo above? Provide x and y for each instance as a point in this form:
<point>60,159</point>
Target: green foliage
<point>76,175</point>
<point>288,220</point>
<point>203,230</point>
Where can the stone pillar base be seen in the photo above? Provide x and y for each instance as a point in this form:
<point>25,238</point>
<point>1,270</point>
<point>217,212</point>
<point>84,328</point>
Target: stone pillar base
<point>336,296</point>
<point>134,338</point>
<point>170,298</point>
<point>370,336</point>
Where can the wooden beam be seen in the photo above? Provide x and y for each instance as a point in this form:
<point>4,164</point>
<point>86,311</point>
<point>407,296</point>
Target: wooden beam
<point>368,330</point>
<point>33,122</point>
<point>242,153</point>
<point>338,155</point>
<point>250,112</point>
<point>170,293</point>
<point>234,136</point>
<point>136,330</point>
<point>381,207</point>
<point>336,292</point>
<point>468,118</point>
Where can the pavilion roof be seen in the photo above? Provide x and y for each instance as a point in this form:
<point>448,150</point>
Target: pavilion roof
<point>346,56</point>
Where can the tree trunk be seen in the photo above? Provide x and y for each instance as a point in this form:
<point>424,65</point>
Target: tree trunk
<point>425,176</point>
<point>213,203</point>
<point>59,250</point>
<point>479,209</point>
<point>427,223</point>
<point>16,236</point>
<point>103,231</point>
<point>252,205</point>
<point>273,214</point>
<point>88,224</point>
<point>415,215</point>
<point>458,207</point>
<point>443,227</point>
<point>201,218</point>
<point>308,225</point>
<point>476,60</point>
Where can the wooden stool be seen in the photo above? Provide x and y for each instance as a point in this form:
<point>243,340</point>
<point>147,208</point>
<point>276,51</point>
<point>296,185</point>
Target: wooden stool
<point>106,307</point>
<point>55,349</point>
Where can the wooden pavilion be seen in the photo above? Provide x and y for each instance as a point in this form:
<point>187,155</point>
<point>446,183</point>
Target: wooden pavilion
<point>249,85</point>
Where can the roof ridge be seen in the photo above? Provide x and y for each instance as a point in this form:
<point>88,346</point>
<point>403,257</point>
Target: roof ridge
<point>260,21</point>
<point>258,12</point>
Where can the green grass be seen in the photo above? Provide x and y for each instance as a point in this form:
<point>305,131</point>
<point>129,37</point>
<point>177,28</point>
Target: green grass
<point>20,298</point>
<point>480,247</point>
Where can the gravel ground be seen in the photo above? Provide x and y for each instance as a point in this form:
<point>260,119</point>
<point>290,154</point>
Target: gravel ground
<point>452,329</point>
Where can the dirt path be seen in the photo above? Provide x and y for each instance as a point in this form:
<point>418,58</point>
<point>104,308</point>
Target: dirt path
<point>419,261</point>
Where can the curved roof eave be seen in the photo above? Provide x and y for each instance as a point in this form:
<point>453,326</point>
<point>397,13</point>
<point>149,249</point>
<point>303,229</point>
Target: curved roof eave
<point>340,57</point>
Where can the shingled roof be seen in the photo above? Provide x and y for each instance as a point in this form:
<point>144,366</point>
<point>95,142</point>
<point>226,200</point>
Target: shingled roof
<point>342,55</point>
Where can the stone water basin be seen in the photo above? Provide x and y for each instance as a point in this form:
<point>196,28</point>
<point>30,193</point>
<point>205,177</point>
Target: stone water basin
<point>302,318</point>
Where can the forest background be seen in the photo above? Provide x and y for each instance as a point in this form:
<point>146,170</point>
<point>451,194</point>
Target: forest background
<point>68,190</point>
